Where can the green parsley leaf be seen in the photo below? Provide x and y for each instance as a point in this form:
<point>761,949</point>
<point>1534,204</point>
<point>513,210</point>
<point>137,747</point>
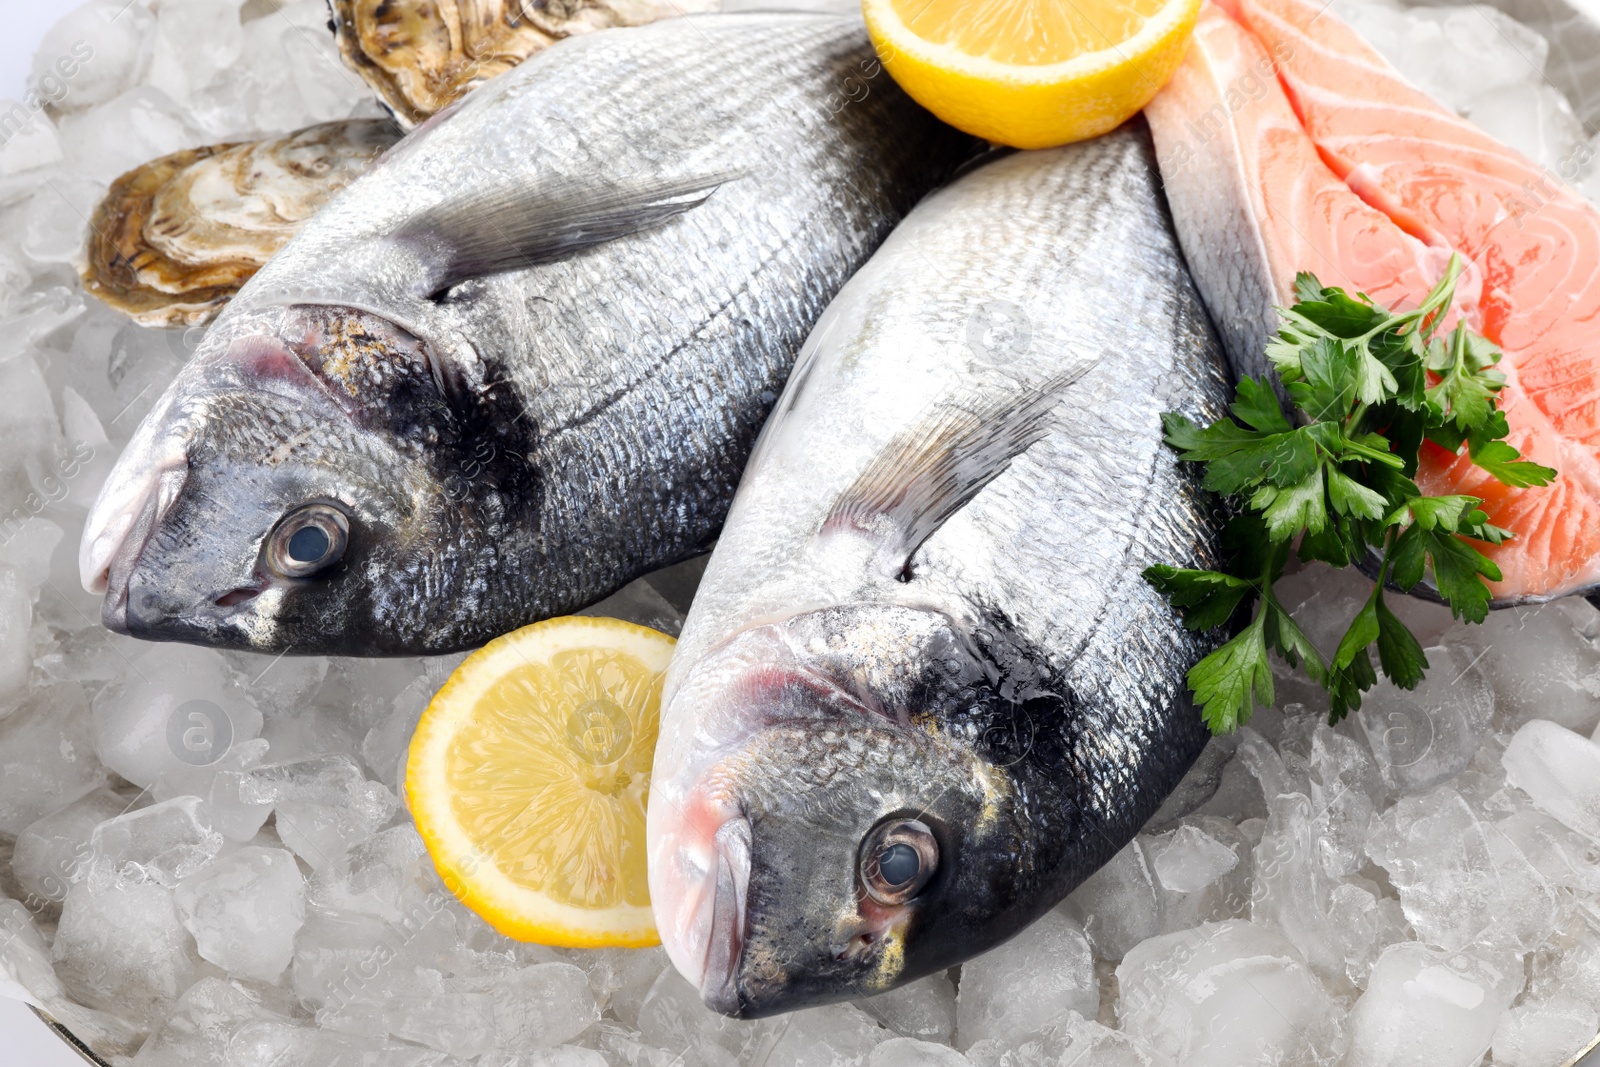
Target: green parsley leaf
<point>1257,406</point>
<point>1369,385</point>
<point>1206,598</point>
<point>1466,389</point>
<point>1350,497</point>
<point>1399,652</point>
<point>1327,384</point>
<point>1306,287</point>
<point>1508,466</point>
<point>1229,681</point>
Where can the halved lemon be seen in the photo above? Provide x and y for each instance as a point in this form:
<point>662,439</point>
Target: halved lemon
<point>1032,73</point>
<point>527,777</point>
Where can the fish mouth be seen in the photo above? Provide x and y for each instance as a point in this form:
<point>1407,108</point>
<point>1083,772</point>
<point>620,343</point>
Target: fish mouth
<point>699,832</point>
<point>700,879</point>
<point>124,516</point>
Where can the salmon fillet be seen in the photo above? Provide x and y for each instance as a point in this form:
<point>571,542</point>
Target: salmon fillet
<point>1440,186</point>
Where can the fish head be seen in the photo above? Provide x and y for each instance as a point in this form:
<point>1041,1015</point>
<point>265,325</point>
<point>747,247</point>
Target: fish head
<point>830,829</point>
<point>299,487</point>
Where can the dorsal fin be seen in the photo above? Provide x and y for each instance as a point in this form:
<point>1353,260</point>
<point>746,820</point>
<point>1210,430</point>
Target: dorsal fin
<point>931,469</point>
<point>518,227</point>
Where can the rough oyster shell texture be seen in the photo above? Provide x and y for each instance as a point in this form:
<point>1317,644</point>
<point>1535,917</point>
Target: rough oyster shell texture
<point>175,238</point>
<point>420,56</point>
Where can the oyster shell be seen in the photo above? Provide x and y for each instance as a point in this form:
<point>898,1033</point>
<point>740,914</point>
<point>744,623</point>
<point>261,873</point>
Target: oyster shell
<point>420,56</point>
<point>174,239</point>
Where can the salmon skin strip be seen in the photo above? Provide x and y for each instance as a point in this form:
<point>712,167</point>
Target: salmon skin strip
<point>1532,245</point>
<point>1254,203</point>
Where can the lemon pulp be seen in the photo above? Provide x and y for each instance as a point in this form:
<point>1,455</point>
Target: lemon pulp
<point>528,777</point>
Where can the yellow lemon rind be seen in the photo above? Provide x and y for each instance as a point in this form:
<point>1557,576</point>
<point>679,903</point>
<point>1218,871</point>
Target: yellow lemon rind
<point>1034,106</point>
<point>515,910</point>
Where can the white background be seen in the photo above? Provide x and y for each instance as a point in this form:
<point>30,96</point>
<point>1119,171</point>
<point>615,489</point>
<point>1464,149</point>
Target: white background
<point>26,21</point>
<point>24,1040</point>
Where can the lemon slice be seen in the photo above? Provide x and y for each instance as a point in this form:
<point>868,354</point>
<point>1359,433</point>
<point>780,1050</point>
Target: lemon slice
<point>1032,73</point>
<point>528,774</point>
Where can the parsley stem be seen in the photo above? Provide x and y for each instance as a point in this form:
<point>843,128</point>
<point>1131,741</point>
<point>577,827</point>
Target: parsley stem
<point>1436,300</point>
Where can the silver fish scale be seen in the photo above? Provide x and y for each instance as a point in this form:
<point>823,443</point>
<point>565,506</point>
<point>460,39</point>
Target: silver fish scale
<point>639,371</point>
<point>1076,244</point>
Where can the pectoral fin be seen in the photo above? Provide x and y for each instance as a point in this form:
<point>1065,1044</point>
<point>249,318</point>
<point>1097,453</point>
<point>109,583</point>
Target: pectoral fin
<point>934,467</point>
<point>517,227</point>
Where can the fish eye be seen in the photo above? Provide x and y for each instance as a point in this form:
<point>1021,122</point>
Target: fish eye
<point>310,538</point>
<point>898,858</point>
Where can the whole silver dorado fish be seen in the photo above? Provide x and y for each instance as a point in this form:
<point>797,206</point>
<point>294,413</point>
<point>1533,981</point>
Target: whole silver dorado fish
<point>522,360</point>
<point>923,690</point>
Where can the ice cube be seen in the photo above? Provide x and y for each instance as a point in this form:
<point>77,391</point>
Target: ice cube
<point>1187,859</point>
<point>29,434</point>
<point>1565,858</point>
<point>1541,665</point>
<point>1276,776</point>
<point>281,1043</point>
<point>1347,789</point>
<point>1192,855</point>
<point>1533,117</point>
<point>200,1026</point>
<point>560,1056</point>
<point>1460,880</point>
<point>1026,982</point>
<point>909,1052</point>
<point>426,1006</point>
<point>673,1018</point>
<point>225,786</point>
<point>162,844</point>
<point>924,1009</point>
<point>1425,1007</point>
<point>338,961</point>
<point>322,806</point>
<point>386,745</point>
<point>176,708</point>
<point>1118,905</point>
<point>97,50</point>
<point>1483,784</point>
<point>832,1036</point>
<point>52,851</point>
<point>124,950</point>
<point>46,756</point>
<point>1541,1033</point>
<point>32,144</point>
<point>1568,964</point>
<point>546,1004</point>
<point>195,41</point>
<point>1070,1041</point>
<point>622,977</point>
<point>1363,924</point>
<point>1428,735</point>
<point>244,911</point>
<point>1226,995</point>
<point>24,956</point>
<point>1560,770</point>
<point>1509,51</point>
<point>297,74</point>
<point>1323,600</point>
<point>1290,892</point>
<point>372,877</point>
<point>280,685</point>
<point>16,637</point>
<point>137,126</point>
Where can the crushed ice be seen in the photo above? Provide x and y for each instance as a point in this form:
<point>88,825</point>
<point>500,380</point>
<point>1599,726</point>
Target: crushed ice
<point>203,858</point>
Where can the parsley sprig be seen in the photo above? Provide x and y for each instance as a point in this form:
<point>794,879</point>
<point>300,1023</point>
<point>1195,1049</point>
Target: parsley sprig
<point>1370,385</point>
